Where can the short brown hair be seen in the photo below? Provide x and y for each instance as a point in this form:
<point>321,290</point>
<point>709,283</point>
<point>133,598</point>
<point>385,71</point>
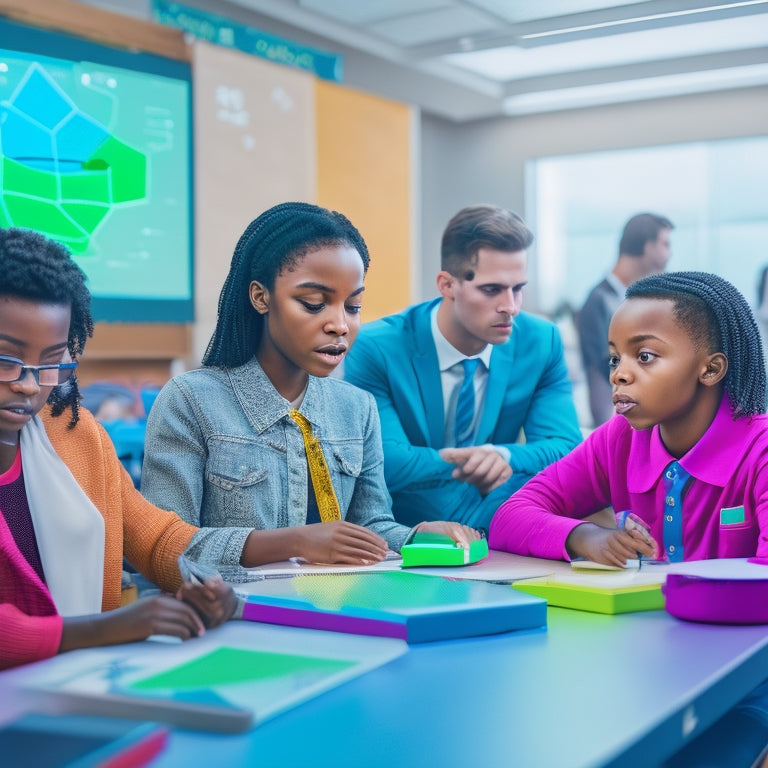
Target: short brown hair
<point>641,229</point>
<point>476,227</point>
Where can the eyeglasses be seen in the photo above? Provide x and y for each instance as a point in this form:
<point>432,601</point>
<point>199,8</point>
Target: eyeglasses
<point>12,370</point>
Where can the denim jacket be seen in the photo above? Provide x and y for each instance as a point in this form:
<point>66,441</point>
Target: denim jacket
<point>222,451</point>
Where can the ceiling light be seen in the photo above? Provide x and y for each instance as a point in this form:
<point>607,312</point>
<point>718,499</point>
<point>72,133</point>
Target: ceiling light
<point>636,19</point>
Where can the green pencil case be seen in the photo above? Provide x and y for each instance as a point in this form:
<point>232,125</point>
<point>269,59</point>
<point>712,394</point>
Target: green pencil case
<point>437,549</point>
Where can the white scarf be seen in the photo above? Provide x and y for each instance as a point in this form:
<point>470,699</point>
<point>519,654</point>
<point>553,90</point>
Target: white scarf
<point>68,527</point>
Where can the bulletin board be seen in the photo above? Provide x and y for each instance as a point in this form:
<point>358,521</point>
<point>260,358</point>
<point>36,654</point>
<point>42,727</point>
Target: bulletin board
<point>254,147</point>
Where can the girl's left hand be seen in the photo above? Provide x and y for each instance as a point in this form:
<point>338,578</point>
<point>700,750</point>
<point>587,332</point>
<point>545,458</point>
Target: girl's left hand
<point>461,534</point>
<point>214,600</point>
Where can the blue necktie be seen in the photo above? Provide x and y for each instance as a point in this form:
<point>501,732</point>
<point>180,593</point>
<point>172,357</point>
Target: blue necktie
<point>465,405</point>
<point>675,478</point>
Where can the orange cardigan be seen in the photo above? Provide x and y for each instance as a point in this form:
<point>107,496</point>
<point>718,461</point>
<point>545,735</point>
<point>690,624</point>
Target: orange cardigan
<point>152,539</point>
<point>149,537</point>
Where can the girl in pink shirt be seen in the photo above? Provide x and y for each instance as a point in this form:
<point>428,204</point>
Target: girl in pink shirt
<point>687,452</point>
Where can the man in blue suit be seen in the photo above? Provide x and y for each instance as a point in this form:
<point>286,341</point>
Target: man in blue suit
<point>460,437</point>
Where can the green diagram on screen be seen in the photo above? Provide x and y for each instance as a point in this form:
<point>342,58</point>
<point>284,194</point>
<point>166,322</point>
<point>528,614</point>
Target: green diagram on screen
<point>62,171</point>
<point>96,153</point>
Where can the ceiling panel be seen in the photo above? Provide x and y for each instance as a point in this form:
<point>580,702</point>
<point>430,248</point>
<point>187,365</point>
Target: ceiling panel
<point>369,11</point>
<point>515,12</point>
<point>464,59</point>
<point>636,90</point>
<point>509,63</point>
<point>427,27</point>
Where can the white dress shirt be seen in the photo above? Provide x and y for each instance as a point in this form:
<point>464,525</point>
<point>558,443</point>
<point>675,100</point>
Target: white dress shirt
<point>449,360</point>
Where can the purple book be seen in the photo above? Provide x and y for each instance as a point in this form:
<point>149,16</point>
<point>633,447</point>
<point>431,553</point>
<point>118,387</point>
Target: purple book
<point>410,606</point>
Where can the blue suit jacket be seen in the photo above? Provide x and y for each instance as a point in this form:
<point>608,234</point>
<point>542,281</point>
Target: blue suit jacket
<point>528,389</point>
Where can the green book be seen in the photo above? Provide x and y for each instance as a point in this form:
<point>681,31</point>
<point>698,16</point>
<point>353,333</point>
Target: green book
<point>594,598</point>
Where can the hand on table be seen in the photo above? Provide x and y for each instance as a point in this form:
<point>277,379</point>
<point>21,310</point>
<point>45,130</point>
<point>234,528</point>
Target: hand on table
<point>214,601</point>
<point>155,615</point>
<point>610,546</point>
<point>341,542</point>
<point>461,534</point>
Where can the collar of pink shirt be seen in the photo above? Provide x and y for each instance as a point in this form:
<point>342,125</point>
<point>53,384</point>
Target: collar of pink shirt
<point>713,459</point>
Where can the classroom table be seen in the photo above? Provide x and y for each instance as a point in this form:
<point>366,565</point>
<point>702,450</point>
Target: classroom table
<point>590,690</point>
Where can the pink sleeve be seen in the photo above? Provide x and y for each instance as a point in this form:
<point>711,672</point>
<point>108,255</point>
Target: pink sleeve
<point>30,627</point>
<point>26,638</point>
<point>537,519</point>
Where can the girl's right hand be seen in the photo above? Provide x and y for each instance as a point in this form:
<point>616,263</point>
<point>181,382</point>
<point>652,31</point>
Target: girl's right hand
<point>610,546</point>
<point>341,542</point>
<point>156,615</point>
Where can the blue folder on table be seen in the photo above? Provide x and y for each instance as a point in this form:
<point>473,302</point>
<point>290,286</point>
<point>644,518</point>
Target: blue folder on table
<point>410,606</point>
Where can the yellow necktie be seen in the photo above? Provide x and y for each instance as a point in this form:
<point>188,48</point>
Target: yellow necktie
<point>327,503</point>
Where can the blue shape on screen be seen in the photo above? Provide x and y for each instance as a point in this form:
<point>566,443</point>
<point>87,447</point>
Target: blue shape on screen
<point>25,141</point>
<point>38,97</point>
<point>43,129</point>
<point>77,140</point>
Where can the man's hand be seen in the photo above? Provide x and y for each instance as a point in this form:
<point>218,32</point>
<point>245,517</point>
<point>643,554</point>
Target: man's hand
<point>610,546</point>
<point>479,465</point>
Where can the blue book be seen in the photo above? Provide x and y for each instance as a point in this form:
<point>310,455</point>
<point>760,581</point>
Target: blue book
<point>410,606</point>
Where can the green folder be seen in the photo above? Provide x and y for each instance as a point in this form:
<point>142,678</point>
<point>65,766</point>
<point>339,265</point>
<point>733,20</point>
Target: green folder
<point>642,597</point>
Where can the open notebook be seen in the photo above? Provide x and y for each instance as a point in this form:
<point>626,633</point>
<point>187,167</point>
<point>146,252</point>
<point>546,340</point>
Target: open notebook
<point>501,567</point>
<point>232,678</point>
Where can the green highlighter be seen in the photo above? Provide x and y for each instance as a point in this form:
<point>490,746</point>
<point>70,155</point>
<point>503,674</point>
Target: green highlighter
<point>438,549</point>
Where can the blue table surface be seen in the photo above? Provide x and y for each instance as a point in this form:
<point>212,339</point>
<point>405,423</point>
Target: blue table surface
<point>591,690</point>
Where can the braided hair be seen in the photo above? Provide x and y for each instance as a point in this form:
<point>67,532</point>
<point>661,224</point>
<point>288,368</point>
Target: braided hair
<point>715,314</point>
<point>35,268</point>
<point>275,241</point>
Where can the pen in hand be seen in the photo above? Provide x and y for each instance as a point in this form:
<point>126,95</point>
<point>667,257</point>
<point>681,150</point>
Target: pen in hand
<point>631,522</point>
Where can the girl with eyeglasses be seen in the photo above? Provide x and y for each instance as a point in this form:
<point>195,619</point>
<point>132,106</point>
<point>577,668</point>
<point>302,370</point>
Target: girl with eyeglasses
<point>68,510</point>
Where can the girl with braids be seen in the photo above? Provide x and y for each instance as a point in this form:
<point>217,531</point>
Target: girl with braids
<point>68,511</point>
<point>689,390</point>
<point>260,447</point>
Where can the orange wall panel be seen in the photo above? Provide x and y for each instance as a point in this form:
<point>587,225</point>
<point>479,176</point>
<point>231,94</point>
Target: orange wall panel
<point>364,171</point>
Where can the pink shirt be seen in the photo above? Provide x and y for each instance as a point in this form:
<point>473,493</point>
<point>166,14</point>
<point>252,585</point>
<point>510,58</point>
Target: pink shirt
<point>725,506</point>
<point>30,628</point>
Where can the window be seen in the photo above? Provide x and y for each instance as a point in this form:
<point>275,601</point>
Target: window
<point>715,193</point>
